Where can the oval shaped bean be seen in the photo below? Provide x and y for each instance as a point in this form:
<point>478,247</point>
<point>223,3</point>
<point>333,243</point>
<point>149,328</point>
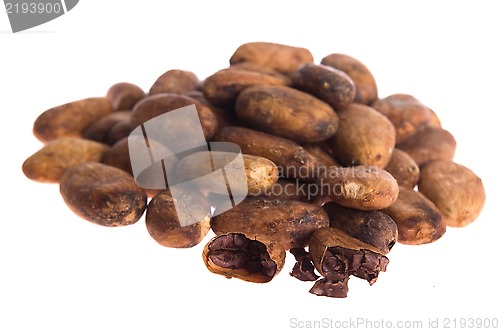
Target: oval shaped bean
<point>118,156</point>
<point>404,169</point>
<point>286,112</point>
<point>70,119</point>
<point>419,220</point>
<point>293,161</point>
<point>261,173</point>
<point>100,130</point>
<point>406,113</point>
<point>50,162</point>
<point>223,87</point>
<point>366,87</point>
<point>364,137</point>
<point>457,192</point>
<point>429,143</point>
<point>175,81</point>
<point>158,104</point>
<point>164,225</point>
<point>124,96</point>
<point>358,187</point>
<point>283,58</point>
<point>103,194</point>
<point>332,86</point>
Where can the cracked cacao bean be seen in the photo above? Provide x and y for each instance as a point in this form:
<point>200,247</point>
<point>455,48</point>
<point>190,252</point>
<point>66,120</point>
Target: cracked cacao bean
<point>237,255</point>
<point>288,223</point>
<point>336,255</point>
<point>372,227</point>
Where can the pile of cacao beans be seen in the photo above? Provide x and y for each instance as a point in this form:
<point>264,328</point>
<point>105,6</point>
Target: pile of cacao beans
<point>335,174</point>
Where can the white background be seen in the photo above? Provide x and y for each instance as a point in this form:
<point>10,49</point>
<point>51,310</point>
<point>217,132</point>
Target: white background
<point>61,273</point>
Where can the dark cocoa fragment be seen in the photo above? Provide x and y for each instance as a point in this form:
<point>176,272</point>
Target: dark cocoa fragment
<point>326,287</point>
<point>338,263</point>
<point>303,268</point>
